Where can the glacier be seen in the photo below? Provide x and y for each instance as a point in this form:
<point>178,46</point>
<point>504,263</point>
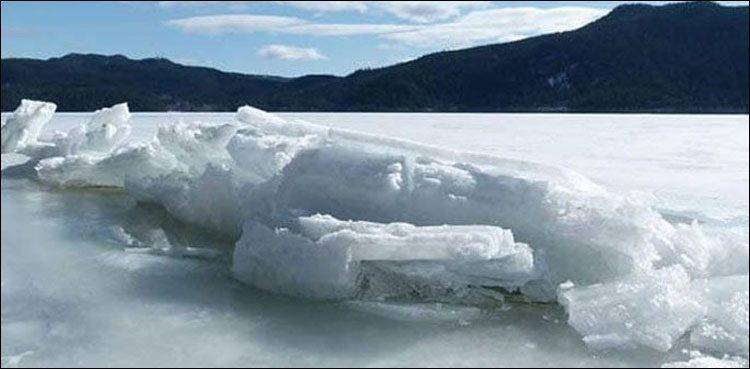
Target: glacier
<point>387,224</point>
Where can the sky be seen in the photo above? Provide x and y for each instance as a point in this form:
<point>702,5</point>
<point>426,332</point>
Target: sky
<point>285,38</point>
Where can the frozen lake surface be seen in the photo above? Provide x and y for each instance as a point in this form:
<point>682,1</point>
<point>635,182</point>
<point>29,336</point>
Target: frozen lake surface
<point>72,296</point>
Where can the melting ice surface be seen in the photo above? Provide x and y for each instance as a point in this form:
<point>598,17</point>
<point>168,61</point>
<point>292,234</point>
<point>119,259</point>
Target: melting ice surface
<point>261,239</point>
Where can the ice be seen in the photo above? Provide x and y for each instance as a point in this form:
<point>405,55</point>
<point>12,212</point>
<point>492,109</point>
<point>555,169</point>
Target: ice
<point>398,227</point>
<point>263,156</point>
<point>21,131</point>
<point>403,241</point>
<point>158,244</point>
<point>106,130</point>
<point>725,326</point>
<point>117,234</point>
<point>730,253</point>
<point>251,115</point>
<point>651,309</point>
<point>279,260</point>
<point>134,163</point>
<point>698,360</point>
<point>14,360</point>
<point>181,252</point>
<point>178,148</point>
<point>432,313</point>
<point>325,258</point>
<point>195,145</point>
<point>13,159</point>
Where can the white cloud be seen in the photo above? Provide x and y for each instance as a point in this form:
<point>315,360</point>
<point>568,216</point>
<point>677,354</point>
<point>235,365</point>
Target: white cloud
<point>498,25</point>
<point>316,6</point>
<point>328,6</point>
<point>415,11</point>
<point>234,23</point>
<point>175,4</point>
<point>428,11</point>
<point>286,52</point>
<point>477,27</point>
<point>346,29</point>
<point>250,23</point>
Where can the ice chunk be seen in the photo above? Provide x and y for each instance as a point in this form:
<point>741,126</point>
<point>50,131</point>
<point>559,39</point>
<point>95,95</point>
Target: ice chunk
<point>403,241</point>
<point>12,159</point>
<point>446,263</point>
<point>132,163</point>
<point>213,200</point>
<point>117,115</point>
<point>730,254</point>
<point>261,157</point>
<point>254,116</point>
<point>106,130</point>
<point>281,261</point>
<point>22,129</point>
<point>179,149</point>
<point>332,253</point>
<point>725,327</point>
<point>648,309</point>
<point>196,145</point>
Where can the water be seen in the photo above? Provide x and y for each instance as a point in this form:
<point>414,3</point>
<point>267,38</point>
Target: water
<point>72,297</point>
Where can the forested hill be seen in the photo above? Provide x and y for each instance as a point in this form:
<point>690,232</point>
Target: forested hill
<point>686,57</point>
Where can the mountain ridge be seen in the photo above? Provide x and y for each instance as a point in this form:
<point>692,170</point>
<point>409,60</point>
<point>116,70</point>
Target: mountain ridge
<point>675,58</point>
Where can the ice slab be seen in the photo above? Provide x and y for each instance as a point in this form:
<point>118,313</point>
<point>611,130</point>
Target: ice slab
<point>21,130</point>
<point>326,257</point>
<point>403,241</point>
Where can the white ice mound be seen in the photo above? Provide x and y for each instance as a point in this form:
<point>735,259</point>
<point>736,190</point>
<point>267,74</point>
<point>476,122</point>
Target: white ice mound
<point>22,129</point>
<point>325,258</point>
<point>409,222</point>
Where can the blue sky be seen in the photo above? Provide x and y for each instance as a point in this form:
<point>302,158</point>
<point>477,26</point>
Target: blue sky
<point>283,37</point>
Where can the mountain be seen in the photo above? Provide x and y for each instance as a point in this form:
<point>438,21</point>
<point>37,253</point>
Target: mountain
<point>686,57</point>
<point>79,82</point>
